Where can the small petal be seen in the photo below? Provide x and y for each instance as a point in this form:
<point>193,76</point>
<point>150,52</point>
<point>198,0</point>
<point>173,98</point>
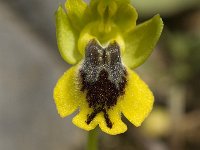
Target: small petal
<point>137,102</point>
<point>75,11</point>
<point>66,38</point>
<point>66,94</point>
<point>126,17</point>
<point>141,41</point>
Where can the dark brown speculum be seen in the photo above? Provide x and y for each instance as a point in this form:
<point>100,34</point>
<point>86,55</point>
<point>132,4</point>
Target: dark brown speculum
<point>103,78</point>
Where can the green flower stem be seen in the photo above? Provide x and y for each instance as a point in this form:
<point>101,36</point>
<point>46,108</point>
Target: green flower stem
<point>93,140</point>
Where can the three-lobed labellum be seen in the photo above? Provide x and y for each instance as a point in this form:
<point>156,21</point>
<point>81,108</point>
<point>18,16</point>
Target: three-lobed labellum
<point>103,78</point>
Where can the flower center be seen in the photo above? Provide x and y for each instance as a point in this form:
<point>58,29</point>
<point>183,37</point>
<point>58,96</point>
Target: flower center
<point>103,78</point>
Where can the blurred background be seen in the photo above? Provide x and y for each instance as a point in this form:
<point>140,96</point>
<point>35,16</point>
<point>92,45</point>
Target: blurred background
<point>30,66</point>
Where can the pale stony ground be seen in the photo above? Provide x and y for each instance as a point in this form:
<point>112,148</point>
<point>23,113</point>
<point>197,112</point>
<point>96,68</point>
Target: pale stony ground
<point>29,68</point>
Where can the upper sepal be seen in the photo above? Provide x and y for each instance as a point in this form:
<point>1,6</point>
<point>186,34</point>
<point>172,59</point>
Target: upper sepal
<point>141,41</point>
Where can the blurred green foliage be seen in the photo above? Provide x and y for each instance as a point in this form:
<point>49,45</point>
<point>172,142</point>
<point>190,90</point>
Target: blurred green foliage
<point>184,50</point>
<point>148,8</point>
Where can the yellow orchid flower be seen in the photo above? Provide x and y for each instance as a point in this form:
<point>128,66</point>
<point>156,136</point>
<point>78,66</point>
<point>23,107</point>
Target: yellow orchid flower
<point>103,43</point>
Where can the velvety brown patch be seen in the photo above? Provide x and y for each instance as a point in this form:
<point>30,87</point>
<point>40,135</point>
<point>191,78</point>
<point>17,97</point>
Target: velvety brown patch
<point>103,78</point>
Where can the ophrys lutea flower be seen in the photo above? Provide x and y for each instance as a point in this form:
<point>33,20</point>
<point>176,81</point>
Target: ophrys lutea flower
<point>103,43</point>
